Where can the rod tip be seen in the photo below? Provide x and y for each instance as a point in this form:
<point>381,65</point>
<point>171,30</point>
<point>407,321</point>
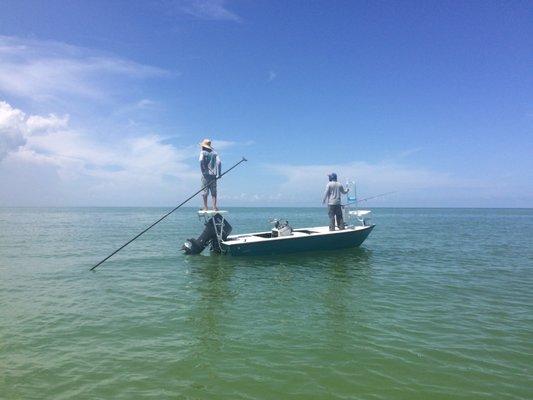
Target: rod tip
<point>244,158</point>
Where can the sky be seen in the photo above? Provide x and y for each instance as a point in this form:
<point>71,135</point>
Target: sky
<point>103,103</point>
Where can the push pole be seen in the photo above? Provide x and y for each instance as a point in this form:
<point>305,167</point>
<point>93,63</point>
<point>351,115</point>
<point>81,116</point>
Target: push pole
<point>164,216</point>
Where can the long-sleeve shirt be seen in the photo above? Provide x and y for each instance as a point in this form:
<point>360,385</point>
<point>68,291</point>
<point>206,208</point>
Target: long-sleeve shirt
<point>210,163</point>
<point>333,193</point>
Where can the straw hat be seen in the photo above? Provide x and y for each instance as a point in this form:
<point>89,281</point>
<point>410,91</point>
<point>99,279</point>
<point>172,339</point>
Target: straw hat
<point>206,143</point>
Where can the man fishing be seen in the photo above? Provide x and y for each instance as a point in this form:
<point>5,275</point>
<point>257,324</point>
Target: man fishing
<point>211,168</point>
<point>333,193</point>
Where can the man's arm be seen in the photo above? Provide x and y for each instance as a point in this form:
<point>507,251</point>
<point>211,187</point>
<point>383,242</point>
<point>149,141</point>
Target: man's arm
<point>219,166</point>
<point>344,191</point>
<point>326,194</point>
<point>203,163</point>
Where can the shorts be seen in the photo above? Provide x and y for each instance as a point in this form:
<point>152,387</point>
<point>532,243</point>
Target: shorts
<point>209,183</point>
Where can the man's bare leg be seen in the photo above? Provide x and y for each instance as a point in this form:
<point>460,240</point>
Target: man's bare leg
<point>205,201</point>
<point>215,203</point>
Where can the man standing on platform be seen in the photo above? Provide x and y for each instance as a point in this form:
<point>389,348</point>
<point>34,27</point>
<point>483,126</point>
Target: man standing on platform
<point>211,168</point>
<point>333,193</point>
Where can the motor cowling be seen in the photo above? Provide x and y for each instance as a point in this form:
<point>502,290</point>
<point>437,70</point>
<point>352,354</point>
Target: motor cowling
<point>209,236</point>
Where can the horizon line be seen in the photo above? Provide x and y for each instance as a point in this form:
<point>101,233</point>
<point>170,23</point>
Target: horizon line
<point>281,206</point>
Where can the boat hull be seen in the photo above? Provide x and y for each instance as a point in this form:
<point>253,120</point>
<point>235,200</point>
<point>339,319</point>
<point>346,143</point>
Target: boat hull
<point>313,242</point>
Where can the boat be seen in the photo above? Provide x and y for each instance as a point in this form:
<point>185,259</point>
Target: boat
<point>282,238</point>
<point>305,239</point>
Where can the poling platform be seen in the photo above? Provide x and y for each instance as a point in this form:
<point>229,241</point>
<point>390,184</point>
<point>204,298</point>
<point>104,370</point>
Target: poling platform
<point>210,213</point>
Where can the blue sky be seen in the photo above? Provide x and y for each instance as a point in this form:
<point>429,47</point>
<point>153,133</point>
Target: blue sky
<point>103,103</point>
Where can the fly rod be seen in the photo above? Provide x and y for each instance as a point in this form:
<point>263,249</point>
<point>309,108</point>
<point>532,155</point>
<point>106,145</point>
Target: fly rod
<point>166,215</point>
<point>373,197</point>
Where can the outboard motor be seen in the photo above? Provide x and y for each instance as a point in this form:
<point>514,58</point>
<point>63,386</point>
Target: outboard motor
<point>209,236</point>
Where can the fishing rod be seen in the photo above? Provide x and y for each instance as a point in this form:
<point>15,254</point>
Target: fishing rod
<point>373,197</point>
<point>167,214</point>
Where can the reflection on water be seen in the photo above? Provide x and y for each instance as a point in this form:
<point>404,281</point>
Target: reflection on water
<point>211,279</point>
<point>219,280</point>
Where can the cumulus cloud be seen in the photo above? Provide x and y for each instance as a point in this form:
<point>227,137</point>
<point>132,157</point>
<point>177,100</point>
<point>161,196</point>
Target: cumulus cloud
<point>77,156</point>
<point>108,157</point>
<point>44,70</point>
<point>37,123</point>
<point>12,129</point>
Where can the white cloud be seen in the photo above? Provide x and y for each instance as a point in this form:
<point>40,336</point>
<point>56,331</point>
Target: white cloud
<point>44,70</point>
<point>379,173</point>
<point>37,123</point>
<point>95,167</point>
<point>308,181</point>
<point>12,129</point>
<point>111,156</point>
<point>208,9</point>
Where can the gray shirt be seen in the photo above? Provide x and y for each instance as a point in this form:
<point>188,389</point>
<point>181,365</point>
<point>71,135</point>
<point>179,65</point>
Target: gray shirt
<point>210,163</point>
<point>333,193</point>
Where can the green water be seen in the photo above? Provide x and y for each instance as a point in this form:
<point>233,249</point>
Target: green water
<point>437,304</point>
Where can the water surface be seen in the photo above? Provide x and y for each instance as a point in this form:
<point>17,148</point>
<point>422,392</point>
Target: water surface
<point>437,303</point>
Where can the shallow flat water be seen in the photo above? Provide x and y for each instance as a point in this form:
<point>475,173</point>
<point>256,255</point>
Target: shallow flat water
<point>437,303</point>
